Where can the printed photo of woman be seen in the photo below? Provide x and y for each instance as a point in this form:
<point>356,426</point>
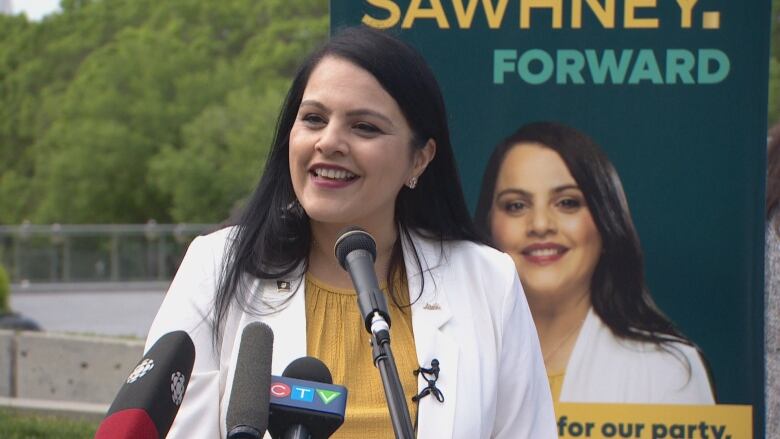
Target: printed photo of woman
<point>551,198</point>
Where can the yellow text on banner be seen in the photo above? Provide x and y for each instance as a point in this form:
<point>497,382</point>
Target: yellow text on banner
<point>654,421</point>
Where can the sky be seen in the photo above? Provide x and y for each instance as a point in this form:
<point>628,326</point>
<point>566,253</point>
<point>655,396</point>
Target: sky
<point>36,9</point>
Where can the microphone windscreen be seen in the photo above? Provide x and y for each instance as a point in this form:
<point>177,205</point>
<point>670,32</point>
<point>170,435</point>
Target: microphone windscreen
<point>130,423</point>
<point>353,238</point>
<point>250,395</point>
<point>155,388</point>
<point>304,398</point>
<point>309,369</point>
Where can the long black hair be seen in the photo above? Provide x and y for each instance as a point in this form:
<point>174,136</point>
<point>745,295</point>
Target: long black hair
<point>272,237</point>
<point>618,292</point>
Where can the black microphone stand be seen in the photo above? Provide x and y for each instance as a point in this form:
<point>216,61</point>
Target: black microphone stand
<point>355,250</point>
<point>394,392</point>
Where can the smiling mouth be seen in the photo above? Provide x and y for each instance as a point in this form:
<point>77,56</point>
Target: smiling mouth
<point>544,252</point>
<point>333,174</point>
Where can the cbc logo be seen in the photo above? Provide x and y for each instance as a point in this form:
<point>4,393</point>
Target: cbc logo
<point>140,370</point>
<point>280,390</point>
<point>177,387</point>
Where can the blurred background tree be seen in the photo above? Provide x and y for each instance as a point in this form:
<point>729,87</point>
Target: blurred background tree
<point>774,65</point>
<point>117,111</point>
<point>5,292</point>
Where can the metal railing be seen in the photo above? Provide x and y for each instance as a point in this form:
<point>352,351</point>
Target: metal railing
<point>84,253</point>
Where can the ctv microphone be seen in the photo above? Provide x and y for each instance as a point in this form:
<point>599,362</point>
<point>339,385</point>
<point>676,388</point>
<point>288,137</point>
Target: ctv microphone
<point>148,402</point>
<point>304,402</point>
<point>247,413</point>
<point>356,251</point>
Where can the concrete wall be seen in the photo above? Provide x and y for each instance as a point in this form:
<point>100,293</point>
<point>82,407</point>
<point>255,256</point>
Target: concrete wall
<point>57,367</point>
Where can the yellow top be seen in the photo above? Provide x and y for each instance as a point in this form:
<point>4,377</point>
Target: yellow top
<point>556,383</point>
<point>336,335</point>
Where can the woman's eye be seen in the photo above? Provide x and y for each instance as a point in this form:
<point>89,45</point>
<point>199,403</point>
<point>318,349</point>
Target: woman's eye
<point>313,119</point>
<point>570,204</point>
<point>514,206</point>
<point>366,128</point>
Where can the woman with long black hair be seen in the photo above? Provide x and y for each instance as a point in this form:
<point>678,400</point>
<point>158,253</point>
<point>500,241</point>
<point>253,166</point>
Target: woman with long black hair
<point>362,140</point>
<point>552,200</point>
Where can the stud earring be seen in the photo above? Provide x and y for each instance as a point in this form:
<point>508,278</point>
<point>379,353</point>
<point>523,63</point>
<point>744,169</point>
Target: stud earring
<point>412,183</point>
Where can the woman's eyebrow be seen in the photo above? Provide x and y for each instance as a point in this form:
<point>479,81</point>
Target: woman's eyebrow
<point>518,191</point>
<point>513,191</point>
<point>314,103</point>
<point>564,187</point>
<point>367,112</point>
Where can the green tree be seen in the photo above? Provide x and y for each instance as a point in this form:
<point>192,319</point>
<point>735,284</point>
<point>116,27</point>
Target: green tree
<point>114,116</point>
<point>224,152</point>
<point>774,66</point>
<point>5,292</point>
<point>37,63</point>
<point>125,110</point>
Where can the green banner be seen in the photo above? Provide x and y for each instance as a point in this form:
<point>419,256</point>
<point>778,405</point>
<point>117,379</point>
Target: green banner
<point>673,91</point>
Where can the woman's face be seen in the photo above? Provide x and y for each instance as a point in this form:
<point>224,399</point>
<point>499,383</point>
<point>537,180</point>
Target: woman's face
<point>540,218</point>
<point>350,147</point>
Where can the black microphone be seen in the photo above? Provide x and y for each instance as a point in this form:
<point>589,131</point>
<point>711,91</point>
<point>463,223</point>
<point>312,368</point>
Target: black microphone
<point>148,402</point>
<point>356,251</point>
<point>247,413</point>
<point>304,402</point>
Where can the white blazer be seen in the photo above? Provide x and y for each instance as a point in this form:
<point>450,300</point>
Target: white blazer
<point>472,316</point>
<point>608,369</point>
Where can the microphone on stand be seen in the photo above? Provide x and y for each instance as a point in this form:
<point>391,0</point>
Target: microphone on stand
<point>147,403</point>
<point>248,408</point>
<point>304,402</point>
<point>356,250</point>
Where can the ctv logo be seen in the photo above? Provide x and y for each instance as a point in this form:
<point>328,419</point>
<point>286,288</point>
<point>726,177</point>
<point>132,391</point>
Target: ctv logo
<point>303,393</point>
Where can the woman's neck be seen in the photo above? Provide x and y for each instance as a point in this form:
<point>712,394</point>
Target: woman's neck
<point>558,325</point>
<point>323,263</point>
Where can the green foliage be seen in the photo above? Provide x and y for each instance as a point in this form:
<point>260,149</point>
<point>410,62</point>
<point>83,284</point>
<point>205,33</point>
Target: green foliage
<point>23,426</point>
<point>775,29</point>
<point>121,111</point>
<point>230,141</point>
<point>5,292</point>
